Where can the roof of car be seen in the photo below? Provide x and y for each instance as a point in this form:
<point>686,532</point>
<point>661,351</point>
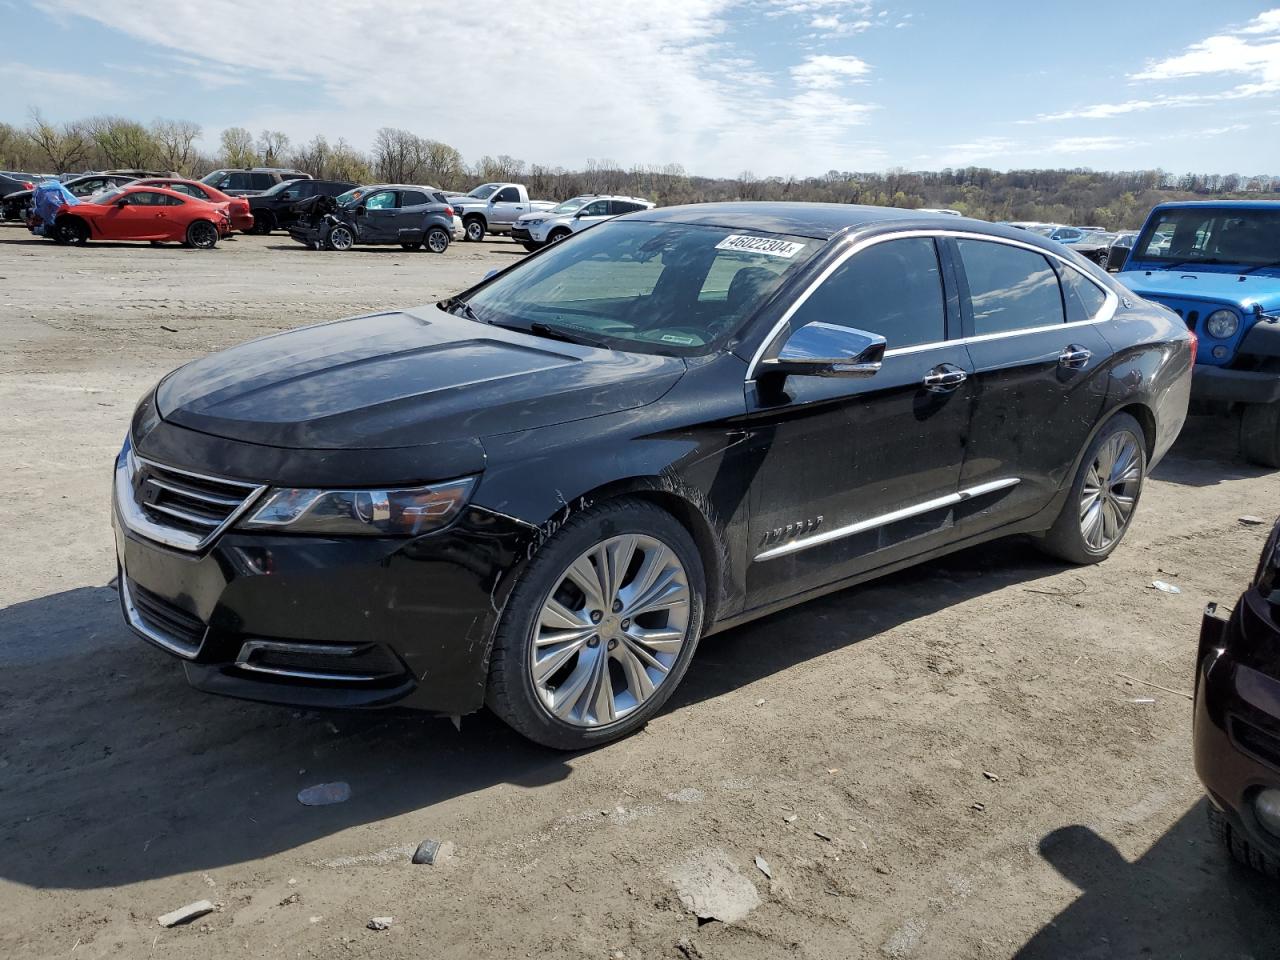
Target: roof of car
<point>399,186</point>
<point>818,220</point>
<point>1230,204</point>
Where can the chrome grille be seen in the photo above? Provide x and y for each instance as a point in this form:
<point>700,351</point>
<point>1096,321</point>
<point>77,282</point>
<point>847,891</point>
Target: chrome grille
<point>175,507</point>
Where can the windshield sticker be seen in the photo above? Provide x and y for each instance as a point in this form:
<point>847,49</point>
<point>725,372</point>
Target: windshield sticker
<point>766,245</point>
<point>678,338</point>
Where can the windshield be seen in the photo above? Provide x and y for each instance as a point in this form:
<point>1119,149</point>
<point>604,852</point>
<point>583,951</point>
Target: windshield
<point>482,192</point>
<point>106,196</point>
<point>568,206</point>
<point>1208,235</point>
<point>1043,229</point>
<point>351,196</point>
<point>277,188</point>
<point>670,288</point>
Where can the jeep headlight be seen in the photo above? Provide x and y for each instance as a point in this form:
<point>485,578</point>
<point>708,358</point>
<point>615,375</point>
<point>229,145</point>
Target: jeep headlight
<point>404,512</point>
<point>1222,324</point>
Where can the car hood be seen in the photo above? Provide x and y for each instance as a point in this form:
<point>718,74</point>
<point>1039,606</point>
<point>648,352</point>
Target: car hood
<point>404,379</point>
<point>1243,290</point>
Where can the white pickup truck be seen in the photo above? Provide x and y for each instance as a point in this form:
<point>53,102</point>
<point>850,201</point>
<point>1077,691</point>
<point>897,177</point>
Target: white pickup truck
<point>494,207</point>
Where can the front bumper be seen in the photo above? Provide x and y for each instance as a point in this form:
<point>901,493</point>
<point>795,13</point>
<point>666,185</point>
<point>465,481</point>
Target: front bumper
<point>309,234</point>
<point>1223,385</point>
<point>327,622</point>
<point>1236,725</point>
<point>459,231</point>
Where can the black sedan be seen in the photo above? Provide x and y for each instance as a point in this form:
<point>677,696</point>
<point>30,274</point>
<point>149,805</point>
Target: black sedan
<point>276,209</point>
<point>539,494</point>
<point>1237,718</point>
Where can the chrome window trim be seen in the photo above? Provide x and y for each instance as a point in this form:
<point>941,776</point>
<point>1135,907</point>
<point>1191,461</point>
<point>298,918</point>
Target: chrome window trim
<point>1105,313</point>
<point>138,522</point>
<point>161,640</point>
<point>871,523</point>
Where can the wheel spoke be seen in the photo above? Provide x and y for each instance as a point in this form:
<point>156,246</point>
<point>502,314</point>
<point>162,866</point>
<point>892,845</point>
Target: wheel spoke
<point>641,652</point>
<point>586,578</point>
<point>662,639</point>
<point>667,591</point>
<point>574,690</point>
<point>1091,523</point>
<point>639,685</point>
<point>602,703</point>
<point>545,666</point>
<point>556,616</point>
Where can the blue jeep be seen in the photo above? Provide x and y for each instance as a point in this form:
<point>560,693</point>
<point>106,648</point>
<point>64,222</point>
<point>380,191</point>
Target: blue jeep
<point>1216,264</point>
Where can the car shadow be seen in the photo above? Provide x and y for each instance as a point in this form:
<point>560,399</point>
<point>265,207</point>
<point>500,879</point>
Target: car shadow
<point>1207,452</point>
<point>1184,897</point>
<point>116,771</point>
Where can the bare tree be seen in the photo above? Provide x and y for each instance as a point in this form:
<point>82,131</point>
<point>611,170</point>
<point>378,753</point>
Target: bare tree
<point>123,143</point>
<point>61,146</point>
<point>175,143</point>
<point>348,163</point>
<point>395,155</point>
<point>237,148</point>
<point>272,145</point>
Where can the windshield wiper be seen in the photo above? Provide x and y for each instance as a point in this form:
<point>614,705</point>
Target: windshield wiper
<point>1195,261</point>
<point>567,334</point>
<point>456,306</point>
<point>1262,266</point>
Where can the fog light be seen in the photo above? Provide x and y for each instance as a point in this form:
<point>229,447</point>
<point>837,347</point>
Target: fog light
<point>1220,353</point>
<point>1266,807</point>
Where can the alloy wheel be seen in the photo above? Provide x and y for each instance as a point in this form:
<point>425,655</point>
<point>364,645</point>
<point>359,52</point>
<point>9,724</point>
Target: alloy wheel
<point>1110,491</point>
<point>475,231</point>
<point>611,629</point>
<point>437,241</point>
<point>340,238</point>
<point>203,235</point>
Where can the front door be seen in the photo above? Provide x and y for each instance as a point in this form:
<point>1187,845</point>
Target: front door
<point>141,218</point>
<point>593,213</point>
<point>856,473</point>
<point>380,221</point>
<point>1031,324</point>
<point>507,206</point>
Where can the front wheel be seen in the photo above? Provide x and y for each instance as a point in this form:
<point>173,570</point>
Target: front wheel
<point>341,238</point>
<point>71,230</point>
<point>437,240</point>
<point>474,229</point>
<point>1104,495</point>
<point>202,235</point>
<point>531,245</point>
<point>1260,434</point>
<point>601,627</point>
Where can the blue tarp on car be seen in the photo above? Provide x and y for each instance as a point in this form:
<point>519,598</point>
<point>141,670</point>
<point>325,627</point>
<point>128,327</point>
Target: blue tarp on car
<point>49,196</point>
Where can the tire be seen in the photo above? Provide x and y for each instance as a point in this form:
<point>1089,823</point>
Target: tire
<point>1103,260</point>
<point>71,230</point>
<point>653,668</point>
<point>475,229</point>
<point>1260,433</point>
<point>1239,847</point>
<point>531,245</point>
<point>416,245</point>
<point>437,239</point>
<point>263,224</point>
<point>202,235</point>
<point>557,235</point>
<point>340,238</point>
<point>1085,536</point>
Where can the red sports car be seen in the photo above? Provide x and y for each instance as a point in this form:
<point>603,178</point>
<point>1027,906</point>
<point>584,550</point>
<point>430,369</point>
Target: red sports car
<point>241,218</point>
<point>143,213</point>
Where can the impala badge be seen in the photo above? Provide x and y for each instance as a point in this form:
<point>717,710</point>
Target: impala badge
<point>790,531</point>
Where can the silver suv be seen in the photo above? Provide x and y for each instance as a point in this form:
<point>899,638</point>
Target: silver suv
<point>541,227</point>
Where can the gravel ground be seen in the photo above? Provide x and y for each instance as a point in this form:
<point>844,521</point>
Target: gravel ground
<point>941,764</point>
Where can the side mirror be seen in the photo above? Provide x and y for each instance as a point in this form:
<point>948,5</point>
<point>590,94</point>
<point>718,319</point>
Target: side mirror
<point>122,202</point>
<point>828,350</point>
<point>360,210</point>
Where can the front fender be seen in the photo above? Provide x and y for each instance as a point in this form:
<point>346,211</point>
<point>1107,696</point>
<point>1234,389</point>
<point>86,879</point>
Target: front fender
<point>1263,340</point>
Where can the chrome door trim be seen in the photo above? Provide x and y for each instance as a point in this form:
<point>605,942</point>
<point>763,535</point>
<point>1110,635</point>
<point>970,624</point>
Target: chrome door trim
<point>861,526</point>
<point>1107,311</point>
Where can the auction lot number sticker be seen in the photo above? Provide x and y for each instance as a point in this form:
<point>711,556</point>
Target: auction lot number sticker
<point>771,246</point>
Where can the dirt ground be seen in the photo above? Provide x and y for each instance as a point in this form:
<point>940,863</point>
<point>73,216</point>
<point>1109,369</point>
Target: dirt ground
<point>847,741</point>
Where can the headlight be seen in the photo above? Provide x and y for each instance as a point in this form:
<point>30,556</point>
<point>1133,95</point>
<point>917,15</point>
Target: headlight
<point>532,223</point>
<point>396,513</point>
<point>1222,324</point>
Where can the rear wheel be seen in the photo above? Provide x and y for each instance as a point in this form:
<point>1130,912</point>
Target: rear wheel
<point>71,230</point>
<point>263,223</point>
<point>474,227</point>
<point>1239,847</point>
<point>1104,495</point>
<point>202,235</point>
<point>601,627</point>
<point>1260,433</point>
<point>341,238</point>
<point>437,240</point>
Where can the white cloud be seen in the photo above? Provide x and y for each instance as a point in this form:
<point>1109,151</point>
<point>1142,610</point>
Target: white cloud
<point>652,82</point>
<point>823,72</point>
<point>1078,145</point>
<point>24,83</point>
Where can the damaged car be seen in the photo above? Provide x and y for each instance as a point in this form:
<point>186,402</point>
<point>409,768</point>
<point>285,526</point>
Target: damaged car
<point>539,494</point>
<point>412,216</point>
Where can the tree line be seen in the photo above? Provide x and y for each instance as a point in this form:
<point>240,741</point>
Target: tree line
<point>1116,200</point>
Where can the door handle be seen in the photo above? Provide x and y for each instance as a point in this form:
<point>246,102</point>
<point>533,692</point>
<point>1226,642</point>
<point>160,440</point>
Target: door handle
<point>944,378</point>
<point>1074,356</point>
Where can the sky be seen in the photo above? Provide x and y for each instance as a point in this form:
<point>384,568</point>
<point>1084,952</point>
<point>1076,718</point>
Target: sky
<point>775,87</point>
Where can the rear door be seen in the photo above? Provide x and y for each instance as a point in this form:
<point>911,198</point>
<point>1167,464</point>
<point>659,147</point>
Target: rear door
<point>413,215</point>
<point>1040,362</point>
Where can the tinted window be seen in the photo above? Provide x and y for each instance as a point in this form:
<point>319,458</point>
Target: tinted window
<point>412,198</point>
<point>1083,298</point>
<point>293,176</point>
<point>235,180</point>
<point>145,198</point>
<point>1238,235</point>
<point>333,189</point>
<point>386,200</point>
<point>262,181</point>
<point>625,206</point>
<point>893,289</point>
<point>597,208</point>
<point>1009,288</point>
<point>509,195</point>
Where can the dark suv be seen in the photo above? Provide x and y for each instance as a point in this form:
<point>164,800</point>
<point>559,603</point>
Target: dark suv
<point>251,181</point>
<point>274,209</point>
